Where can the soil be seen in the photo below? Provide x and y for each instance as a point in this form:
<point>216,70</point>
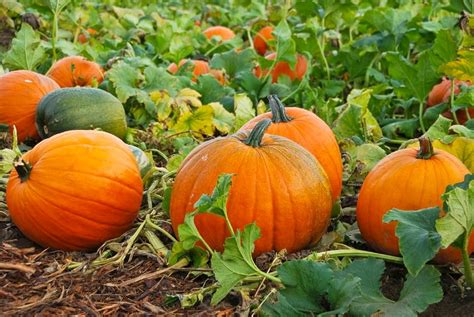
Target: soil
<point>37,282</point>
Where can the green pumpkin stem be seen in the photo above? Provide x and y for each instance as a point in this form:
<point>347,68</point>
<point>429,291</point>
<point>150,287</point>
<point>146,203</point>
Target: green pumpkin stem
<point>256,135</point>
<point>23,169</point>
<point>426,149</point>
<point>278,110</point>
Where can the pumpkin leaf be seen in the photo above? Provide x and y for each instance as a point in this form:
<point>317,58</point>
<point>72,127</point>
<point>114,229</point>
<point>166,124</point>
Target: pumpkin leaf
<point>463,131</point>
<point>187,231</point>
<point>236,263</point>
<point>56,6</point>
<point>356,118</point>
<point>459,221</point>
<point>439,129</point>
<point>223,120</point>
<point>415,79</point>
<point>417,294</point>
<point>234,62</point>
<point>462,68</point>
<point>286,47</point>
<point>216,203</point>
<point>124,78</point>
<point>305,285</point>
<point>418,239</point>
<point>8,156</point>
<point>309,287</point>
<point>198,121</point>
<point>244,110</point>
<point>26,51</point>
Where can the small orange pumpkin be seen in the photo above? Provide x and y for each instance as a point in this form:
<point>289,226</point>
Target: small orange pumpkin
<point>221,32</point>
<point>283,68</point>
<point>408,179</point>
<point>260,41</point>
<point>20,93</point>
<point>86,35</point>
<point>442,92</point>
<point>200,68</point>
<point>308,130</point>
<point>277,184</point>
<point>76,71</point>
<point>75,190</point>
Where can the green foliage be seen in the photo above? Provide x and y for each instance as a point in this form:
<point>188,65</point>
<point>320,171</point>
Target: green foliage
<point>308,286</point>
<point>419,243</point>
<point>26,51</point>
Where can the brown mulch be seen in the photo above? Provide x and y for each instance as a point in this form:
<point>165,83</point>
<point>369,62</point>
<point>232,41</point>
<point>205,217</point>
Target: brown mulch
<point>36,282</point>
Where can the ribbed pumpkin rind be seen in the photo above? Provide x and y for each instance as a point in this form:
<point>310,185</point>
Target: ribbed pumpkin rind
<point>279,185</point>
<point>80,109</point>
<point>404,182</point>
<point>84,188</point>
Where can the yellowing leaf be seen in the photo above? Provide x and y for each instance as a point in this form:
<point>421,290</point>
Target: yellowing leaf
<point>463,68</point>
<point>200,120</point>
<point>223,119</point>
<point>163,102</point>
<point>244,110</point>
<point>187,98</point>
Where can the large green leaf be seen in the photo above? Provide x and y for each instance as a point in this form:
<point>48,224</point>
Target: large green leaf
<point>26,51</point>
<point>418,239</point>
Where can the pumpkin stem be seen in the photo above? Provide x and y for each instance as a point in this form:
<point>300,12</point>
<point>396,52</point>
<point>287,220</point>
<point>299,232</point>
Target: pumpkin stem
<point>426,149</point>
<point>255,137</point>
<point>23,169</point>
<point>278,110</point>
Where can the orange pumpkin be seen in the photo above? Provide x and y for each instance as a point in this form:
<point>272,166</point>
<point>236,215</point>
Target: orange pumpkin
<point>408,179</point>
<point>200,68</point>
<point>76,71</point>
<point>277,184</point>
<point>20,93</point>
<point>221,32</point>
<point>86,35</point>
<point>283,68</point>
<point>308,130</point>
<point>261,39</point>
<point>442,92</point>
<point>75,190</point>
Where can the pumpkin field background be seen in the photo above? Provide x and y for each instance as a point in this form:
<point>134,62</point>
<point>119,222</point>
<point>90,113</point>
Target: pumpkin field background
<point>380,74</point>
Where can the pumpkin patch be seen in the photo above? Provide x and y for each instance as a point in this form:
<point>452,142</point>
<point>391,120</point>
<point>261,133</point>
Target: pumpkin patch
<point>236,158</point>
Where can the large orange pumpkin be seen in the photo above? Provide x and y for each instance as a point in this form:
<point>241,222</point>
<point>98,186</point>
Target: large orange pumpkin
<point>442,92</point>
<point>408,179</point>
<point>260,41</point>
<point>309,131</point>
<point>76,71</point>
<point>75,190</point>
<point>20,93</point>
<point>200,68</point>
<point>282,68</point>
<point>218,31</point>
<point>277,184</point>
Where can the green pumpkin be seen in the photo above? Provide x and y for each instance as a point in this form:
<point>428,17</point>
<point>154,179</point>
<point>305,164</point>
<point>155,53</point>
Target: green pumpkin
<point>80,109</point>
